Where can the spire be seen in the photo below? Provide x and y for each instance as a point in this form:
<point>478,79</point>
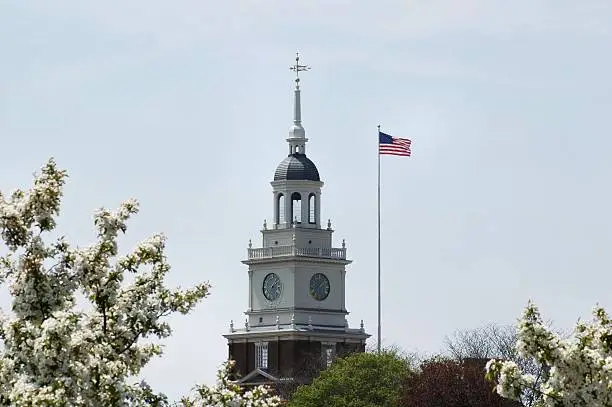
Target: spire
<point>297,131</point>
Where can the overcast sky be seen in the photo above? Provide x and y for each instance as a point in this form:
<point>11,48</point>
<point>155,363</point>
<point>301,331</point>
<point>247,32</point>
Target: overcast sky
<point>186,105</point>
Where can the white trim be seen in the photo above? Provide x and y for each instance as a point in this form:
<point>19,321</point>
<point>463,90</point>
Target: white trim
<point>258,372</point>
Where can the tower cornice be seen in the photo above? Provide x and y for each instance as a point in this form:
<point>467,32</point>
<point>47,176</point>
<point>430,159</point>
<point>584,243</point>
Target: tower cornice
<point>296,183</point>
<point>298,333</point>
<point>296,258</point>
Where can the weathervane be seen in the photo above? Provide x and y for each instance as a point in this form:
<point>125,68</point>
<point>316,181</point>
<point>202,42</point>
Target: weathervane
<point>298,68</point>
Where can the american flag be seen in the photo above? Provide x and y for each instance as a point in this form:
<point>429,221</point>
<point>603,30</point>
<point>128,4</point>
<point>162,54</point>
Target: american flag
<point>393,145</point>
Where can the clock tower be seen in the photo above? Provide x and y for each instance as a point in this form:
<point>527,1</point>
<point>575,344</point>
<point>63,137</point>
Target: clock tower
<point>296,317</point>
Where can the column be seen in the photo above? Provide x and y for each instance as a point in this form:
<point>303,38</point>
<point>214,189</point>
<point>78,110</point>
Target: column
<point>342,279</point>
<point>305,209</point>
<point>250,290</point>
<point>318,209</point>
<point>288,209</point>
<point>276,219</point>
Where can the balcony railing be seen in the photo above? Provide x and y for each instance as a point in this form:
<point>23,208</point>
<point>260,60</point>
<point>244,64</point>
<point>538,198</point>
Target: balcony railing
<point>281,251</point>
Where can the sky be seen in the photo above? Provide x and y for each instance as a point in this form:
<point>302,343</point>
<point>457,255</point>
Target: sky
<point>186,105</point>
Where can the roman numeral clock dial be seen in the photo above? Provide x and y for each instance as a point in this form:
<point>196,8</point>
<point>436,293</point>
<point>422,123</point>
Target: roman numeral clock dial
<point>272,287</point>
<point>319,286</point>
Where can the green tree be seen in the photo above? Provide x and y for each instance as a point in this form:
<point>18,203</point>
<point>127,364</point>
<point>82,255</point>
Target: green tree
<point>357,380</point>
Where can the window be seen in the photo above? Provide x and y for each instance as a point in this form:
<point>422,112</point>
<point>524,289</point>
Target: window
<point>280,208</point>
<point>296,207</point>
<point>311,208</point>
<point>328,353</point>
<point>261,355</point>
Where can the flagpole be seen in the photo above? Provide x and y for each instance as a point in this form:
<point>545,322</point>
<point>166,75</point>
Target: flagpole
<point>378,154</point>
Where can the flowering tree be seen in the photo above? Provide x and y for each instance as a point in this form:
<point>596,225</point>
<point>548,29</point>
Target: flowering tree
<point>58,351</point>
<point>229,394</point>
<point>578,370</point>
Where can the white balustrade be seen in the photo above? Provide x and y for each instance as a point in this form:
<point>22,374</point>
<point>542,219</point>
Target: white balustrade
<point>281,251</point>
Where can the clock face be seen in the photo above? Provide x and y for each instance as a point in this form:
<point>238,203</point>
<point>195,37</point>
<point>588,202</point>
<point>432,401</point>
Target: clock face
<point>319,287</point>
<point>272,287</point>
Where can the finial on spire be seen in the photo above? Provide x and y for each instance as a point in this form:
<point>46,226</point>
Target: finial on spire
<point>297,131</point>
<point>298,68</point>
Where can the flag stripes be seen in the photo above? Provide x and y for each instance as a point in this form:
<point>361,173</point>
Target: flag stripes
<point>393,145</point>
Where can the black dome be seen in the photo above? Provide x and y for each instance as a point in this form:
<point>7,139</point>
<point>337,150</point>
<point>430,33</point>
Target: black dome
<point>296,167</point>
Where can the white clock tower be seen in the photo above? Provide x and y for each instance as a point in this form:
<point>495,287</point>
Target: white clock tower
<point>296,306</point>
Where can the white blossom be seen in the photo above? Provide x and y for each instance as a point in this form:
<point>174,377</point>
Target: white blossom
<point>578,370</point>
<point>55,354</point>
<point>227,393</point>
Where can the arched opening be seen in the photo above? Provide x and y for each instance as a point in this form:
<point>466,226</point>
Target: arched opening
<point>297,149</point>
<point>296,207</point>
<point>280,209</point>
<point>312,214</point>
